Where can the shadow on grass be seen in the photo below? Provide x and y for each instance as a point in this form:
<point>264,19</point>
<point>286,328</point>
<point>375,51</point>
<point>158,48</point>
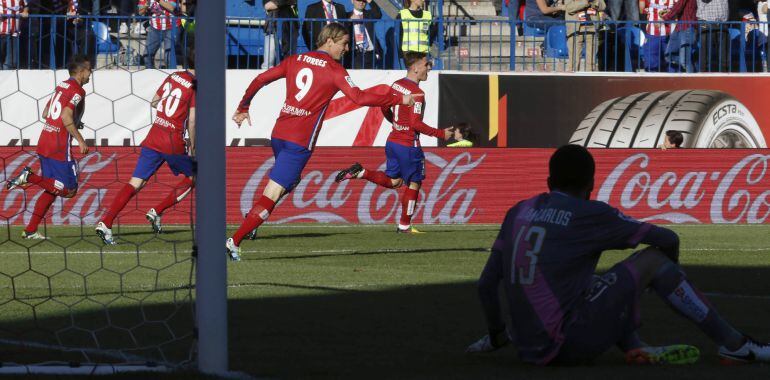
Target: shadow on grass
<point>386,251</point>
<point>304,331</point>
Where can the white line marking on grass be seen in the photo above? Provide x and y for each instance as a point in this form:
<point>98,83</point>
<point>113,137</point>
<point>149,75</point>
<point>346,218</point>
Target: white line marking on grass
<point>91,351</point>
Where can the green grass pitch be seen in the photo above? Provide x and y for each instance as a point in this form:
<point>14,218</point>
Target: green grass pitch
<point>351,301</point>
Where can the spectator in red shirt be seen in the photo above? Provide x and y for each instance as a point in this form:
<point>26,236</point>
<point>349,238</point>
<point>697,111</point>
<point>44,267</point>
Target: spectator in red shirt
<point>657,32</point>
<point>164,27</point>
<point>11,12</point>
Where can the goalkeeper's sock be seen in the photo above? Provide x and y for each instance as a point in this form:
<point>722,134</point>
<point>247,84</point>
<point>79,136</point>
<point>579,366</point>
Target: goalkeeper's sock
<point>44,202</point>
<point>258,215</point>
<point>176,195</point>
<point>124,195</point>
<point>672,285</point>
<point>48,184</point>
<point>378,177</point>
<point>408,203</point>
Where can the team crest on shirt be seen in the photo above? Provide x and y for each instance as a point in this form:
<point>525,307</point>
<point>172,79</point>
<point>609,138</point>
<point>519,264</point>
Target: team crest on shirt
<point>75,100</point>
<point>418,107</point>
<point>350,81</point>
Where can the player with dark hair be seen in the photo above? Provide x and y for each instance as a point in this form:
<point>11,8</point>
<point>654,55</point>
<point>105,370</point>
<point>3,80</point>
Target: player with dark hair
<point>462,135</point>
<point>174,102</point>
<point>62,114</point>
<point>405,158</point>
<point>673,139</point>
<point>560,312</point>
<point>312,80</point>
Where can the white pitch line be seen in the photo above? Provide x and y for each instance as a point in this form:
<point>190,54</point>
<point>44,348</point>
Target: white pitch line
<point>330,251</point>
<point>92,351</point>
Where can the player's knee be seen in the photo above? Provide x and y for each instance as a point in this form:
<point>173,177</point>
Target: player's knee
<point>69,193</point>
<point>396,182</point>
<point>648,262</point>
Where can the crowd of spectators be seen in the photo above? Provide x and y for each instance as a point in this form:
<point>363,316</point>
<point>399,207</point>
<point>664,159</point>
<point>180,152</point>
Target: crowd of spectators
<point>679,35</point>
<point>48,42</point>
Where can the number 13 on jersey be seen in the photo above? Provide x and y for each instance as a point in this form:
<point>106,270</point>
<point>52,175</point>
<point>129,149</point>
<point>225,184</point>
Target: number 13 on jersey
<point>533,237</point>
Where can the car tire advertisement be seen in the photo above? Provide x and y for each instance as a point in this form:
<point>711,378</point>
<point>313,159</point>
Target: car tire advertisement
<point>539,111</point>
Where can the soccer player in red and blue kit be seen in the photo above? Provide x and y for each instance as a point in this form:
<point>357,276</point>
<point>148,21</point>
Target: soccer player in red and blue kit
<point>312,79</point>
<point>560,312</point>
<point>175,105</point>
<point>405,158</point>
<point>62,114</point>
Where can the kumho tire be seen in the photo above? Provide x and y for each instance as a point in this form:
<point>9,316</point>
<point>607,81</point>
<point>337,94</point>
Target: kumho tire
<point>706,118</point>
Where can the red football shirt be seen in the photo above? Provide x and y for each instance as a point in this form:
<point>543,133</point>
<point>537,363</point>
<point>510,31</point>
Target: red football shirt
<point>55,142</point>
<point>177,97</point>
<point>407,120</point>
<point>312,80</point>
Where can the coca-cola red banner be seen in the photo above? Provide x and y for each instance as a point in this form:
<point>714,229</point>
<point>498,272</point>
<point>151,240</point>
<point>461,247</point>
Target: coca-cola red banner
<point>462,186</point>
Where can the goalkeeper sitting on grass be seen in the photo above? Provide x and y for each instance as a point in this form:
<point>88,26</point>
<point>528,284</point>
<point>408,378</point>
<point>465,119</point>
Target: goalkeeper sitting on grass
<point>560,312</point>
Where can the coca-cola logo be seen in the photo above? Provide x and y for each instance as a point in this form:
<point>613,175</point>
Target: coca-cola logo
<point>83,208</point>
<point>738,194</point>
<point>444,201</point>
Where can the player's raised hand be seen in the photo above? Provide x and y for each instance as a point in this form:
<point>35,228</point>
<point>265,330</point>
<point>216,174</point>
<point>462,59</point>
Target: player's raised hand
<point>410,99</point>
<point>239,117</point>
<point>449,132</point>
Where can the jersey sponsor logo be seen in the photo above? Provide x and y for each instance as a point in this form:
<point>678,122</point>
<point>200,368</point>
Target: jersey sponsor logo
<point>418,108</point>
<point>350,81</point>
<point>295,111</point>
<point>50,128</point>
<point>162,122</point>
<point>400,127</point>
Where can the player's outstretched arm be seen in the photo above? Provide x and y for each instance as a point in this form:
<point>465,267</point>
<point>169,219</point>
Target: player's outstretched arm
<point>363,97</point>
<point>267,77</point>
<point>69,124</point>
<point>426,129</point>
<point>665,240</point>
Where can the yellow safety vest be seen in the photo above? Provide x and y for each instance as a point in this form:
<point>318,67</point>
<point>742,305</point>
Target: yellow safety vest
<point>416,31</point>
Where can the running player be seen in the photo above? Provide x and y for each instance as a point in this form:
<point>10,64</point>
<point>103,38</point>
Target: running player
<point>312,79</point>
<point>62,114</point>
<point>545,256</point>
<point>405,158</point>
<point>174,102</point>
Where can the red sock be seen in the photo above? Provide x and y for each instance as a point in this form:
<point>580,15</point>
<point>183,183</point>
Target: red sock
<point>176,195</point>
<point>258,215</point>
<point>48,184</point>
<point>41,207</point>
<point>124,195</point>
<point>378,177</point>
<point>408,203</point>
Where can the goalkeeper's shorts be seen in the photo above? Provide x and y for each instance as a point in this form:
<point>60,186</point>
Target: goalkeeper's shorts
<point>609,314</point>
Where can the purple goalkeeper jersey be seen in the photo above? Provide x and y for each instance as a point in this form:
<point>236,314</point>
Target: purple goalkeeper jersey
<point>546,254</point>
